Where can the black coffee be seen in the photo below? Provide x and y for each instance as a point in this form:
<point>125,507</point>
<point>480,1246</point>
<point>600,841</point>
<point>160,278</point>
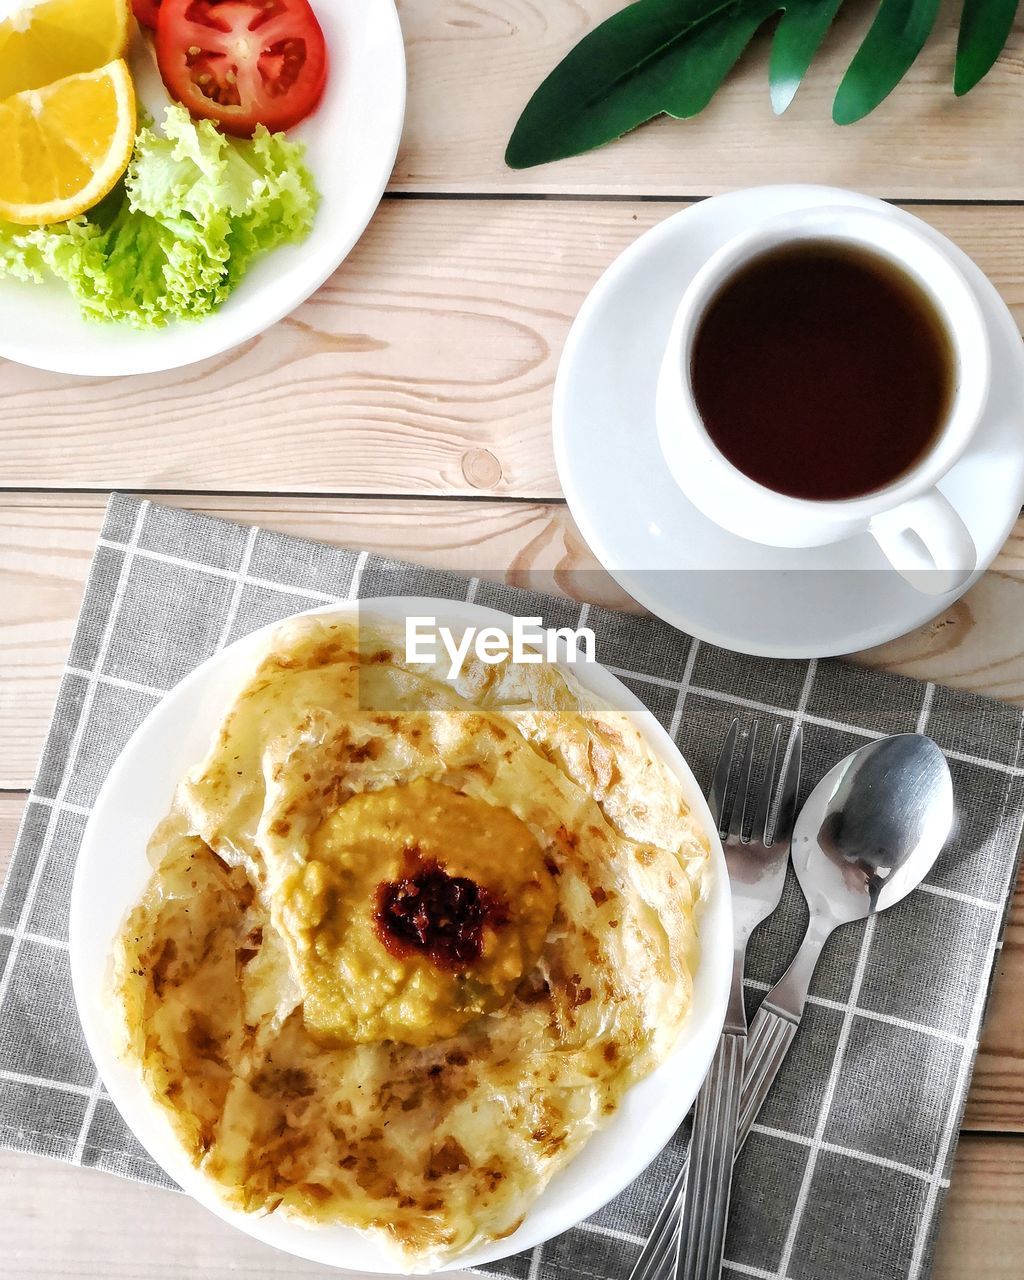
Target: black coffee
<point>822,372</point>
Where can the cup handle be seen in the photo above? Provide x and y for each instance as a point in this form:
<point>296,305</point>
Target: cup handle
<point>927,543</point>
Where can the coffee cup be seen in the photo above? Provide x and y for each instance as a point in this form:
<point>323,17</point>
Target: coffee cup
<point>914,524</point>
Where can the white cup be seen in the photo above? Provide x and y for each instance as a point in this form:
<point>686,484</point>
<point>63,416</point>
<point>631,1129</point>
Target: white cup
<point>916,527</point>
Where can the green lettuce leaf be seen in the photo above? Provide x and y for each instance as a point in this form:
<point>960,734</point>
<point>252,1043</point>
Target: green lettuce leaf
<point>23,253</point>
<point>193,212</point>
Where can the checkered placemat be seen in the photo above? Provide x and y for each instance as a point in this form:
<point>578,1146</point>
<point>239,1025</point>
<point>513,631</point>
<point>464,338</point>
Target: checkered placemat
<point>843,1175</point>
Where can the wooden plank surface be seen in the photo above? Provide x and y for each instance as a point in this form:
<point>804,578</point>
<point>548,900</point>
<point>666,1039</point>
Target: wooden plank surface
<point>48,540</point>
<point>12,804</point>
<point>62,1223</point>
<point>425,366</point>
<point>474,63</point>
<point>982,1228</point>
<point>48,544</point>
<point>976,643</point>
<point>996,1099</point>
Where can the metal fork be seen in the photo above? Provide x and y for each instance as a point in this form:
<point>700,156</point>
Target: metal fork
<point>757,870</point>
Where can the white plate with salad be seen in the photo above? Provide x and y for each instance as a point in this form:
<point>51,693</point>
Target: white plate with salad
<point>255,157</point>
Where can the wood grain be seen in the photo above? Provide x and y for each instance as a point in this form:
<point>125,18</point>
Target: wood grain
<point>12,805</point>
<point>47,545</point>
<point>62,1223</point>
<point>425,366</point>
<point>47,542</point>
<point>473,65</point>
<point>996,1099</point>
<point>982,1226</point>
<point>973,645</point>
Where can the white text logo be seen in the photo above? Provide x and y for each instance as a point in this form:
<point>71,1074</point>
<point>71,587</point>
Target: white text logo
<point>529,642</point>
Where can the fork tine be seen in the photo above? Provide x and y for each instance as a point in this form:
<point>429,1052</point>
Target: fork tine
<point>790,788</point>
<point>759,831</point>
<point>720,782</point>
<point>738,817</point>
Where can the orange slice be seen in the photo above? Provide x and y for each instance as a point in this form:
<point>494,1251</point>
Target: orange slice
<point>46,40</point>
<point>64,146</point>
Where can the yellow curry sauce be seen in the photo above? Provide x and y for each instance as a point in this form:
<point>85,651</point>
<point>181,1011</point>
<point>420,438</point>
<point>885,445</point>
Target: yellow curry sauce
<point>418,909</point>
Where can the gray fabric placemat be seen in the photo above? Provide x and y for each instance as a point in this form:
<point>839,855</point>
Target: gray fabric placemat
<point>843,1177</point>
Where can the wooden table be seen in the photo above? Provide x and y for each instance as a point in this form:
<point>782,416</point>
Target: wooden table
<point>406,408</point>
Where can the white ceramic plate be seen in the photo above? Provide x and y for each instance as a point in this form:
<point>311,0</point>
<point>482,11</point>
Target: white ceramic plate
<point>352,140</point>
<point>112,872</point>
<point>771,601</point>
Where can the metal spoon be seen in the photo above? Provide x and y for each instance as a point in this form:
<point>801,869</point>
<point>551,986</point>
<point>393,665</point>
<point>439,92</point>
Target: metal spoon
<point>868,834</point>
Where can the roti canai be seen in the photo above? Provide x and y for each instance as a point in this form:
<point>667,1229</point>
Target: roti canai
<point>409,939</point>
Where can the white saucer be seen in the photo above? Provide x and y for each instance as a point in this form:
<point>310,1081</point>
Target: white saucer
<point>741,595</point>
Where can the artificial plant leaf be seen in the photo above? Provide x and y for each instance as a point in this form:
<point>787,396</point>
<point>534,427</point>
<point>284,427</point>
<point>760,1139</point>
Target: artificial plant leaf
<point>624,72</point>
<point>671,56</point>
<point>797,39</point>
<point>712,50</point>
<point>894,40</point>
<point>985,26</point>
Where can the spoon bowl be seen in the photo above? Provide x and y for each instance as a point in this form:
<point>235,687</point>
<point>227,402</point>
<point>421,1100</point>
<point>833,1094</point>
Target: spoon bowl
<point>873,827</point>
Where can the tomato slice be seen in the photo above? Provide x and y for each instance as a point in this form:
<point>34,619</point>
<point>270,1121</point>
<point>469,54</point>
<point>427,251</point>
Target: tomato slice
<point>242,62</point>
<point>147,12</point>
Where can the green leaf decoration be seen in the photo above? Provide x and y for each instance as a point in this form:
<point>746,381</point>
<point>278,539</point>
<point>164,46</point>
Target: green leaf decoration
<point>894,40</point>
<point>617,77</point>
<point>670,57</point>
<point>797,39</point>
<point>985,26</point>
<point>715,45</point>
